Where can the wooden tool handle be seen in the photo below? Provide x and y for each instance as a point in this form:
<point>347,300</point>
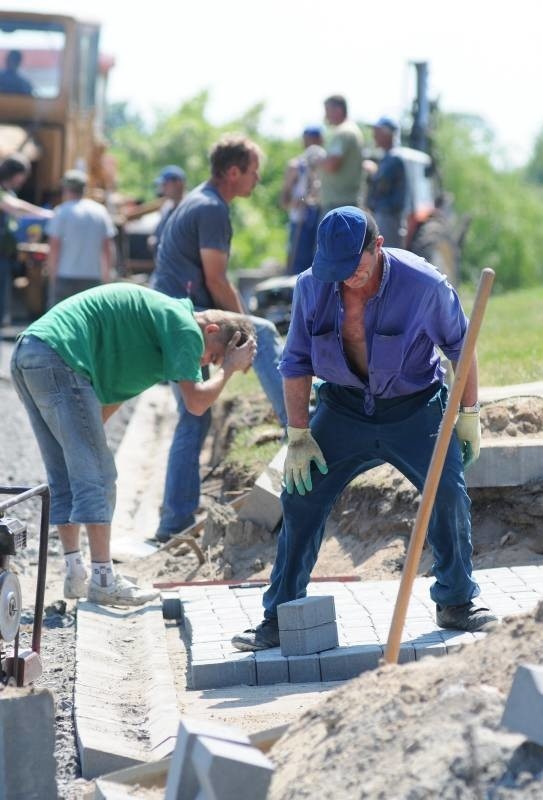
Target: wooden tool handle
<point>420,526</point>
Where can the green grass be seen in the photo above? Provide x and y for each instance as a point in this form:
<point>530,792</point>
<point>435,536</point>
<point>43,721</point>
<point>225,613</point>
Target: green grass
<point>510,343</point>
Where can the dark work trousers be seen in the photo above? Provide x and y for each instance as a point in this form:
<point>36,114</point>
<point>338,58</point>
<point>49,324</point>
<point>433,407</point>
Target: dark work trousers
<point>401,432</point>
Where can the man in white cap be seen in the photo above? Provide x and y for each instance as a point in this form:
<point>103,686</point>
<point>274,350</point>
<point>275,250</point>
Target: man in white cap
<point>367,321</point>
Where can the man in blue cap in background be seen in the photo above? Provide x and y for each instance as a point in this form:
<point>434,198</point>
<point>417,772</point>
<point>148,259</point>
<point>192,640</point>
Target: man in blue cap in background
<point>367,321</point>
<point>170,184</point>
<point>387,186</point>
<point>301,197</point>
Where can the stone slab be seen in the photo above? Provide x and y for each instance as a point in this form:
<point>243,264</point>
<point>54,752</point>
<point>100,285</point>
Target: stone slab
<point>307,612</point>
<point>229,771</point>
<point>271,667</point>
<point>507,462</point>
<point>263,506</point>
<point>221,672</point>
<point>308,640</point>
<point>304,669</point>
<point>348,662</point>
<point>523,711</point>
<point>136,723</point>
<point>182,783</point>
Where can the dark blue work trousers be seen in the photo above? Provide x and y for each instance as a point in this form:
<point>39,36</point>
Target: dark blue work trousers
<point>401,432</point>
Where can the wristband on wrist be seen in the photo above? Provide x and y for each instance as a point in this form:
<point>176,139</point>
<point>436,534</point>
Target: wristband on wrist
<point>470,409</point>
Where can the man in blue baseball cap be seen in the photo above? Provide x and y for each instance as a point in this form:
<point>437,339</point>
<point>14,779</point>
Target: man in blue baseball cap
<point>387,185</point>
<point>367,321</point>
<point>170,184</point>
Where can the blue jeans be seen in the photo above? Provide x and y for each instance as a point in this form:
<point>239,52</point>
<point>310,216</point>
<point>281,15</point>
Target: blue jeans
<point>6,266</point>
<point>66,417</point>
<point>402,432</point>
<point>182,488</point>
<point>302,240</point>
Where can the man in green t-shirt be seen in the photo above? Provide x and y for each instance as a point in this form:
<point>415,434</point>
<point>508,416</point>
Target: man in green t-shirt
<point>341,170</point>
<point>74,366</point>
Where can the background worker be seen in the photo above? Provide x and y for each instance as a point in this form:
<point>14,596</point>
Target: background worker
<point>300,196</point>
<point>170,184</point>
<point>367,321</point>
<point>81,241</point>
<point>74,366</point>
<point>192,262</point>
<point>14,171</point>
<point>11,80</point>
<point>342,168</point>
<point>387,186</point>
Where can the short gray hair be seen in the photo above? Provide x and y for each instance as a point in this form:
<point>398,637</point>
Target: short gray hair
<point>229,323</point>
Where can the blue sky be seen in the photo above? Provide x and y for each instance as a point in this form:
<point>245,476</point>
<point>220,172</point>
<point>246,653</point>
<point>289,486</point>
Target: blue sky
<point>485,58</point>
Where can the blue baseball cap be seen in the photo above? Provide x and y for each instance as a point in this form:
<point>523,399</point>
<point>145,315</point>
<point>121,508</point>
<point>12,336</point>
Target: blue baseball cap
<point>386,122</point>
<point>171,173</point>
<point>313,130</point>
<point>340,239</point>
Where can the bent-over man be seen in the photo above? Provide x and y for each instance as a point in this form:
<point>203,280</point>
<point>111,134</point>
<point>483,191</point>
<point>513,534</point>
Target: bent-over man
<point>367,321</point>
<point>74,366</point>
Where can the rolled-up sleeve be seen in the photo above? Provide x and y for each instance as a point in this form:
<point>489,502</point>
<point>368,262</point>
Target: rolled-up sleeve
<point>296,360</point>
<point>446,322</point>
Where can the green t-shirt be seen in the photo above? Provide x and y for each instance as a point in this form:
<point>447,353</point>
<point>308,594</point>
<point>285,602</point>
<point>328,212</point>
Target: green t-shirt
<point>124,338</point>
<point>342,188</point>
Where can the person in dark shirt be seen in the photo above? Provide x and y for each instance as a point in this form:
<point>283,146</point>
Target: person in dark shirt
<point>11,81</point>
<point>387,186</point>
<point>367,321</point>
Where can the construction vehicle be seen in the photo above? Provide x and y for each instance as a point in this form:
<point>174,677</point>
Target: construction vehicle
<point>432,230</point>
<point>52,111</point>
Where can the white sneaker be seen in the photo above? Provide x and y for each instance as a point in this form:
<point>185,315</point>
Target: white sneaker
<point>75,586</point>
<point>122,592</point>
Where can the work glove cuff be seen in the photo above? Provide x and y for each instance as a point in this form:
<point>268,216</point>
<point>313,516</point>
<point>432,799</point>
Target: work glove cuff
<point>296,435</point>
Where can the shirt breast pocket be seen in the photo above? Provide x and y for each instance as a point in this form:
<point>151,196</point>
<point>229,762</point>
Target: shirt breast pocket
<point>328,359</point>
<point>387,353</point>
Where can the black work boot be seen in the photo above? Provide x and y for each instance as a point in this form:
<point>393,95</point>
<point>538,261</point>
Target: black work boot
<point>467,617</point>
<point>262,637</point>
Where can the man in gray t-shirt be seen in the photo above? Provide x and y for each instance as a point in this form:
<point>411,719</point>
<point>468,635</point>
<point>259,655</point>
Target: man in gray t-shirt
<point>192,261</point>
<point>81,251</point>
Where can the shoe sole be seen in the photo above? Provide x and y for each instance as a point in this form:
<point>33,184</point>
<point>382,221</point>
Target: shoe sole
<point>246,647</point>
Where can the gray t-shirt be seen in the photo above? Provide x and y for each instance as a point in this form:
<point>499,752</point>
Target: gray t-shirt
<point>81,225</point>
<point>200,221</point>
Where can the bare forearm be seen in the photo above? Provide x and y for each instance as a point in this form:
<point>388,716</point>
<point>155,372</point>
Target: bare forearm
<point>203,395</point>
<point>225,296</point>
<point>471,389</point>
<point>109,410</point>
<point>108,261</point>
<point>297,392</point>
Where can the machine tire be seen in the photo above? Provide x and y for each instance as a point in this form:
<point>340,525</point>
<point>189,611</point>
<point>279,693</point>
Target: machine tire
<point>434,241</point>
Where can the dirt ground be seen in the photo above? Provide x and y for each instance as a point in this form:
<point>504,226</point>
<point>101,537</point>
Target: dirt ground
<point>367,535</point>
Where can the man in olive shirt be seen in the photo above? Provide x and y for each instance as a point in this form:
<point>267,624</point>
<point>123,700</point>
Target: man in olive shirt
<point>74,366</point>
<point>342,167</point>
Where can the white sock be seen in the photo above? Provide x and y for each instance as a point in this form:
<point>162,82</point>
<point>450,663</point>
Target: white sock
<point>102,573</point>
<point>74,565</point>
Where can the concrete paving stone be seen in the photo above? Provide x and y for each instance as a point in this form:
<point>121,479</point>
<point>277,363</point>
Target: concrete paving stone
<point>406,653</point>
<point>308,640</point>
<point>204,653</point>
<point>223,672</point>
<point>506,462</point>
<point>182,782</point>
<point>304,669</point>
<point>171,605</point>
<point>225,770</point>
<point>27,723</point>
<point>307,612</point>
<point>347,662</point>
<point>523,711</point>
<point>271,667</point>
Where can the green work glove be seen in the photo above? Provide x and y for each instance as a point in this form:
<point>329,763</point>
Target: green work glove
<point>302,450</point>
<point>468,430</point>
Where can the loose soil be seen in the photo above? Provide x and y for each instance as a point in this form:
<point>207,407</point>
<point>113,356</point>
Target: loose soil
<point>388,718</point>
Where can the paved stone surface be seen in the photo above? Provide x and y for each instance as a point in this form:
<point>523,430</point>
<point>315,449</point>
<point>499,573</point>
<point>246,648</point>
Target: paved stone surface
<point>524,708</point>
<point>213,614</point>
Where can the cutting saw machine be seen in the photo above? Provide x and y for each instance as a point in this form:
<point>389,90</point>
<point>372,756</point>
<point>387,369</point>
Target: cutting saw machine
<point>20,667</point>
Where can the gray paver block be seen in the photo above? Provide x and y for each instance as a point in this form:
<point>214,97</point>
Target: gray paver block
<point>182,781</point>
<point>224,672</point>
<point>27,726</point>
<point>304,669</point>
<point>271,667</point>
<point>347,662</point>
<point>229,771</point>
<point>436,648</point>
<point>263,506</point>
<point>307,612</point>
<point>524,707</point>
<point>308,640</point>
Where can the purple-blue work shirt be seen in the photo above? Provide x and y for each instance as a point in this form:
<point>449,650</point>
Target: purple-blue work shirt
<point>415,311</point>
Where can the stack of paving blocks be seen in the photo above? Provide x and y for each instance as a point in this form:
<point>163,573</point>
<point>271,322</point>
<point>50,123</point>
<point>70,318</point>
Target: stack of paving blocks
<point>216,762</point>
<point>307,626</point>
